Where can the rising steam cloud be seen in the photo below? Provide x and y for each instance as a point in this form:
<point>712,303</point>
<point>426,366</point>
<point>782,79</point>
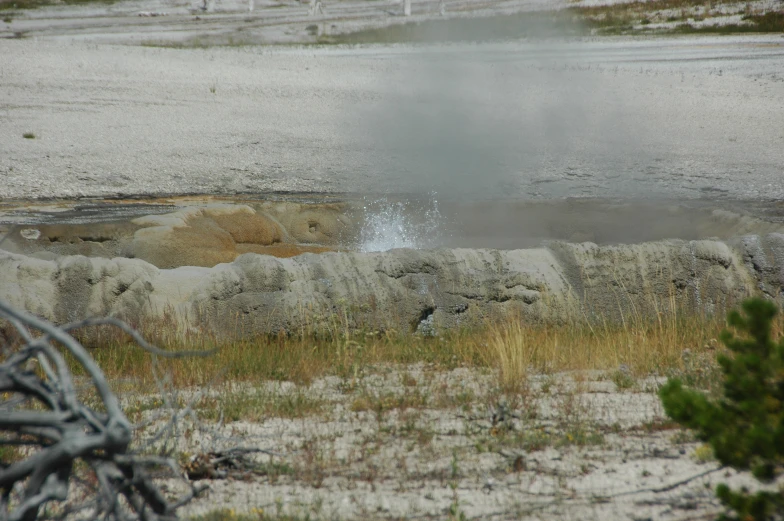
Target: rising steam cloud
<point>497,119</point>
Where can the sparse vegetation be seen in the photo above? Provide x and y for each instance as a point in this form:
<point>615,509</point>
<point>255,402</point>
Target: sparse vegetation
<point>512,348</point>
<point>703,454</point>
<point>258,404</point>
<point>618,18</point>
<point>768,23</point>
<point>205,42</point>
<point>622,379</point>
<point>380,403</point>
<point>28,135</point>
<point>510,388</point>
<point>610,19</point>
<point>9,454</point>
<point>639,16</point>
<point>506,381</point>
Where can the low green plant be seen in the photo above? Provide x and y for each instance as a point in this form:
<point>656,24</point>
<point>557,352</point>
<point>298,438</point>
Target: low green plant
<point>9,454</point>
<point>229,514</point>
<point>28,135</point>
<point>257,404</point>
<point>703,454</point>
<point>622,379</point>
<point>745,426</point>
<point>455,512</point>
<point>580,436</point>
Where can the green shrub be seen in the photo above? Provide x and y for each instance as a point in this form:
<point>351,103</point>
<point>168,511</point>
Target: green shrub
<point>745,427</point>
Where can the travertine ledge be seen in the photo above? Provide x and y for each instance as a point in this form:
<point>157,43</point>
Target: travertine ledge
<point>403,289</point>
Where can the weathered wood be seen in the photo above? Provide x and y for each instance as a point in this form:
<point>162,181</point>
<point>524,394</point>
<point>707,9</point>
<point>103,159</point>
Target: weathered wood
<point>67,430</point>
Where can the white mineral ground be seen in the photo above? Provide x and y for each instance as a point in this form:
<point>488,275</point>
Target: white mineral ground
<point>436,460</point>
<point>679,117</point>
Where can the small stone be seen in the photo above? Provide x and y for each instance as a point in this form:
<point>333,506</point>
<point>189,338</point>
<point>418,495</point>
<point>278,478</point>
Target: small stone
<point>31,234</point>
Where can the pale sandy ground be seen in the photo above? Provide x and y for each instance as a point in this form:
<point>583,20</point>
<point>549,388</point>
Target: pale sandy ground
<point>442,457</point>
<point>676,117</point>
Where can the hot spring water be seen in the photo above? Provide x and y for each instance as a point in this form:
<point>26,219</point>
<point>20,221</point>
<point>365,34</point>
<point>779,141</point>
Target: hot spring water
<point>397,224</point>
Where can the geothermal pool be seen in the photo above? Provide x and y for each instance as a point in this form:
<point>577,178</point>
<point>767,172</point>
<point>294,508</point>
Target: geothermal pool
<point>314,223</point>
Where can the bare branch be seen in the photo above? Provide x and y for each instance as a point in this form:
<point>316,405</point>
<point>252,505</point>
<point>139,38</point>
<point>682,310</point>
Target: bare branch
<point>68,430</point>
<point>118,420</point>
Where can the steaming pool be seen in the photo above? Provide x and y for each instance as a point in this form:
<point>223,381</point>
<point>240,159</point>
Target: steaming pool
<point>319,223</point>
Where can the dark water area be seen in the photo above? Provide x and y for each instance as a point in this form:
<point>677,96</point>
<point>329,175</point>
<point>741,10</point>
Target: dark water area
<point>378,223</point>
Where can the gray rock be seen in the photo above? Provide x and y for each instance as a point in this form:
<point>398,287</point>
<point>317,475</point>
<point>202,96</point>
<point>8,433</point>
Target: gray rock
<point>403,288</point>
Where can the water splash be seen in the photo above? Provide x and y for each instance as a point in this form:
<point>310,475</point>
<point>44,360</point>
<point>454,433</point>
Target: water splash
<point>389,225</point>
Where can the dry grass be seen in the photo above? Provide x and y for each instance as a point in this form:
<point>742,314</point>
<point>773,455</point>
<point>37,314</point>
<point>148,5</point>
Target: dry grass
<point>640,348</point>
<point>513,348</point>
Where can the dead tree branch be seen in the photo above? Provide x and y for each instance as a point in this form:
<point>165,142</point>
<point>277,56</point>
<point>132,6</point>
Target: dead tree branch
<point>42,417</point>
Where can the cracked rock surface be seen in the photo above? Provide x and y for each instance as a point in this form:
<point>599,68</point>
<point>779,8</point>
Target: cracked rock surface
<point>403,288</point>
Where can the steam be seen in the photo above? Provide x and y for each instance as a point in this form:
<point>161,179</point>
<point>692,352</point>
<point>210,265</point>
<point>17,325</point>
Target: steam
<point>493,119</point>
<point>482,121</point>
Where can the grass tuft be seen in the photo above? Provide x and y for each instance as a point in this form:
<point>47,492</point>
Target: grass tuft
<point>258,404</point>
<point>640,347</point>
<point>10,454</point>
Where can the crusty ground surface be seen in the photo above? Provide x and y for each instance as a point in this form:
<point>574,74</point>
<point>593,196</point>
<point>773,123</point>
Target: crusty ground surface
<point>409,442</point>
